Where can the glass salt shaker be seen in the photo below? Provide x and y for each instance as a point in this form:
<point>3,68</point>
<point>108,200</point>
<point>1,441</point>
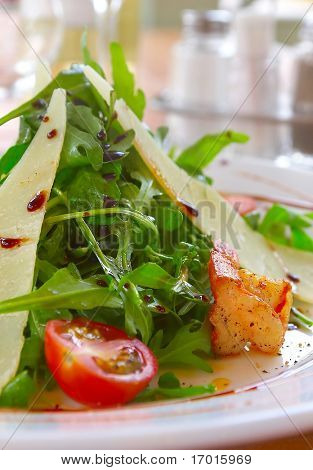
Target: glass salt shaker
<point>302,96</point>
<point>201,60</point>
<point>255,72</point>
<point>303,89</point>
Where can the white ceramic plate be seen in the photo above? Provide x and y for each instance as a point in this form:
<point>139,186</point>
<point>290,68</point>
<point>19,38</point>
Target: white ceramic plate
<point>273,395</point>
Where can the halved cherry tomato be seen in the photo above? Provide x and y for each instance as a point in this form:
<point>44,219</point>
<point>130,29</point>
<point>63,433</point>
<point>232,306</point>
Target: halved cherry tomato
<point>242,204</point>
<point>96,364</point>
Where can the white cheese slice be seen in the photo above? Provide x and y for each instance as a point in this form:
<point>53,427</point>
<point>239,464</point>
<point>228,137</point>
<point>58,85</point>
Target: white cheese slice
<point>43,76</point>
<point>34,173</point>
<point>216,217</point>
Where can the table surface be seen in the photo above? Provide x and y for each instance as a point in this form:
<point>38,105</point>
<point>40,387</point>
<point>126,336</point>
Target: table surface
<point>152,73</point>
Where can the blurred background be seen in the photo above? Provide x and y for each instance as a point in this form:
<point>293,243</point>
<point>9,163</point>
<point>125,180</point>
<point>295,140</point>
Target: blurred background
<point>205,65</point>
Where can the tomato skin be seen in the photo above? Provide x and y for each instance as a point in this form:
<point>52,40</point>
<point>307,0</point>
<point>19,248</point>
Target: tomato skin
<point>242,204</point>
<point>75,369</point>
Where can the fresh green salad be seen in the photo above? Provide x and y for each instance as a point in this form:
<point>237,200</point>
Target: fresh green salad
<point>120,289</point>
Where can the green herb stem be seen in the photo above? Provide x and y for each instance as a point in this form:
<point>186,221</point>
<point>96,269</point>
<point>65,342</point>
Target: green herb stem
<point>53,202</point>
<point>138,216</point>
<point>300,318</point>
<point>107,266</point>
<point>22,303</point>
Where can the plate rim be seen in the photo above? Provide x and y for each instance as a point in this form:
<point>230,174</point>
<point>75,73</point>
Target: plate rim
<point>164,424</point>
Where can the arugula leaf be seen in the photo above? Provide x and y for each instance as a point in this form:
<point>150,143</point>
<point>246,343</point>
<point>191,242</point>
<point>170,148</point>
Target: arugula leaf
<point>45,270</point>
<point>11,157</point>
<point>80,149</point>
<point>88,60</point>
<point>66,79</point>
<point>31,353</point>
<point>129,191</point>
<point>82,117</point>
<point>147,192</point>
<point>181,350</point>
<point>301,240</point>
<point>156,341</point>
<point>52,247</point>
<point>25,133</point>
<point>169,387</point>
<point>168,380</point>
<point>199,155</point>
<point>125,250</point>
<point>284,226</point>
<point>124,83</point>
<point>63,290</point>
<point>161,134</point>
<point>88,189</point>
<point>168,218</point>
<point>18,392</point>
<point>123,141</point>
<point>300,319</point>
<point>137,315</point>
<point>253,219</point>
<point>151,275</point>
<point>37,324</point>
<point>160,393</point>
<point>275,215</point>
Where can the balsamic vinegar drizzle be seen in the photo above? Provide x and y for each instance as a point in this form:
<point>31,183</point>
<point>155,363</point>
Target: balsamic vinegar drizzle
<point>189,208</point>
<point>293,278</point>
<point>9,243</point>
<point>37,202</point>
<point>52,133</point>
<point>44,118</point>
<point>101,135</point>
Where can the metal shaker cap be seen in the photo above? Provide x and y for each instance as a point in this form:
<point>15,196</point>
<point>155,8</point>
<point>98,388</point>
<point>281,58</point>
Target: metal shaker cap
<point>206,22</point>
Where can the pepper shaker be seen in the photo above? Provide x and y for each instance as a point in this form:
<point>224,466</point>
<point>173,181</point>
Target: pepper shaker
<point>201,60</point>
